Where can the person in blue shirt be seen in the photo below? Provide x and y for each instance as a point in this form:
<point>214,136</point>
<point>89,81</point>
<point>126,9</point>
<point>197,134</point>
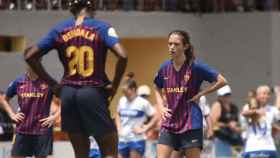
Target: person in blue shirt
<point>85,90</point>
<point>178,90</point>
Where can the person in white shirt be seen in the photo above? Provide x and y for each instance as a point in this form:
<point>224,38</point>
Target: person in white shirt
<point>260,117</point>
<point>207,122</point>
<point>151,135</point>
<point>132,113</point>
<point>94,149</point>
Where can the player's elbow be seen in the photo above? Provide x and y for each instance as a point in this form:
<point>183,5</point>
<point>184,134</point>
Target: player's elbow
<point>30,54</point>
<point>222,80</point>
<point>123,59</point>
<point>27,54</point>
<point>123,55</point>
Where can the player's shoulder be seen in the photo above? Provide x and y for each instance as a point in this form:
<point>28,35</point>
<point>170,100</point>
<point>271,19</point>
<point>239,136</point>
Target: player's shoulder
<point>165,64</point>
<point>64,24</point>
<point>96,23</point>
<point>122,100</point>
<point>142,100</point>
<point>197,63</point>
<point>271,108</point>
<point>100,22</point>
<point>20,78</point>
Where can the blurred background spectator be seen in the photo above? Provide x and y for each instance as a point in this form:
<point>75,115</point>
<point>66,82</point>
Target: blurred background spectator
<point>225,116</point>
<point>151,135</point>
<point>6,124</point>
<point>193,6</point>
<point>128,4</point>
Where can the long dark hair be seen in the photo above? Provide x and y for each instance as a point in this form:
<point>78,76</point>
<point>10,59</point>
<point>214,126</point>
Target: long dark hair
<point>189,53</point>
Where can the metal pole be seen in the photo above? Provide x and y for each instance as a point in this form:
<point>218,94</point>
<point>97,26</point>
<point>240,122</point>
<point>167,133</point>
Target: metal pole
<point>33,4</point>
<point>49,4</point>
<point>163,5</point>
<point>59,4</point>
<point>100,5</point>
<point>18,4</point>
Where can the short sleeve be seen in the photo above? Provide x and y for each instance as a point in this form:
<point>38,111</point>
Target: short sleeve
<point>159,80</point>
<point>12,89</point>
<point>148,108</point>
<point>110,36</point>
<point>276,113</point>
<point>206,73</point>
<point>47,43</point>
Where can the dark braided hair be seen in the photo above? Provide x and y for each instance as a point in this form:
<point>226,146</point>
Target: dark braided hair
<point>77,5</point>
<point>189,53</point>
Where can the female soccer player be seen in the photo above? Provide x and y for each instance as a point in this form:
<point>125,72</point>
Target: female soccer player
<point>33,135</point>
<point>131,119</point>
<point>177,91</point>
<point>261,117</point>
<point>82,43</point>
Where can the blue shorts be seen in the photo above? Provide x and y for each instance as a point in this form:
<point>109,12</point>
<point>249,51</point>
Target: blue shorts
<point>85,110</point>
<point>94,153</point>
<point>126,147</point>
<point>262,154</point>
<point>32,145</point>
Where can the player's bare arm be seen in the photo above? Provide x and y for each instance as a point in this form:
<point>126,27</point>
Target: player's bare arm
<point>121,64</point>
<point>32,56</point>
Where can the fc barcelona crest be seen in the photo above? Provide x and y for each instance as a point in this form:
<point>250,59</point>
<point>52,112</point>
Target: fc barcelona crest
<point>43,86</point>
<point>22,86</point>
<point>186,77</point>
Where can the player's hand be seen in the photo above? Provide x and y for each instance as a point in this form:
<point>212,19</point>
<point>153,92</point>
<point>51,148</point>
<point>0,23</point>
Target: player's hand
<point>48,121</point>
<point>139,130</point>
<point>260,111</point>
<point>210,133</point>
<point>111,90</point>
<point>233,126</point>
<point>195,98</point>
<point>18,117</point>
<point>56,89</point>
<point>164,112</point>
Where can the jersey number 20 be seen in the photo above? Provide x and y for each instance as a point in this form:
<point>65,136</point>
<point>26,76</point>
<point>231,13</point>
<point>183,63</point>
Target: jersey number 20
<point>82,60</point>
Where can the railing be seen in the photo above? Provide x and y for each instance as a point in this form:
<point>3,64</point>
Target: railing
<point>150,5</point>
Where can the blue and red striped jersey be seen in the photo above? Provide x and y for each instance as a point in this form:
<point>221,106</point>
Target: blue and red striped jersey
<point>82,50</point>
<point>179,87</point>
<point>34,100</point>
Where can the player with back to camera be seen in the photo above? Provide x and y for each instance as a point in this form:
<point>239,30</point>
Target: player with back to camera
<point>82,43</point>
